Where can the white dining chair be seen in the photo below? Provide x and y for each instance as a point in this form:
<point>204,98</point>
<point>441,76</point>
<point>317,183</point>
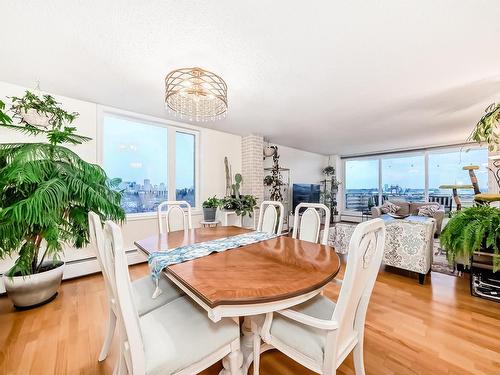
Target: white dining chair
<point>320,333</point>
<point>177,216</point>
<point>142,288</point>
<point>271,215</point>
<point>307,226</point>
<point>177,338</point>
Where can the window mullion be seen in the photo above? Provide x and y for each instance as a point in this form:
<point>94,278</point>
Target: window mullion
<point>171,164</point>
<point>426,174</point>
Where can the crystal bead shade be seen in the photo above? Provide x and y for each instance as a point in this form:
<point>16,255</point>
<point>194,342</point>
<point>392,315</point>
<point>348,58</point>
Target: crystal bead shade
<point>196,94</point>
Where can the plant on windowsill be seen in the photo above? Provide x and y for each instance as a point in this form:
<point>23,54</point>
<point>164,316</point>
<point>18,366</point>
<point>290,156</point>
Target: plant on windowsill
<point>470,230</point>
<point>210,208</point>
<point>46,191</point>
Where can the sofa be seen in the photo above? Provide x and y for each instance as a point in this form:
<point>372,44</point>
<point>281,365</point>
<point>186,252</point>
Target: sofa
<point>408,243</point>
<point>411,208</point>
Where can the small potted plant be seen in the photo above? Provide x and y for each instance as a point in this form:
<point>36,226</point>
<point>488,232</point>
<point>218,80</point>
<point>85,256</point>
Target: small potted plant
<point>329,171</point>
<point>268,180</point>
<point>243,205</point>
<point>210,208</point>
<point>46,192</point>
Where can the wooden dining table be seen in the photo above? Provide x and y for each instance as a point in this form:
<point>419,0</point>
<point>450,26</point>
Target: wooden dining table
<point>255,279</point>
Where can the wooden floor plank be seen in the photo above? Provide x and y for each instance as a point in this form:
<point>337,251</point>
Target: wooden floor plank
<point>411,329</point>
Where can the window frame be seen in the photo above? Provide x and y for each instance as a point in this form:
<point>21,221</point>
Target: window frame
<point>172,128</point>
<point>400,153</point>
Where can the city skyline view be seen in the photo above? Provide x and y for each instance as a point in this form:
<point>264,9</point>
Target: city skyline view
<point>404,176</point>
<point>142,163</point>
<point>445,168</point>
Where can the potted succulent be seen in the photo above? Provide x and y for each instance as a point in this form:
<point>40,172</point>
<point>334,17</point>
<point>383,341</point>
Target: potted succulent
<point>210,208</point>
<point>46,191</point>
<point>470,230</point>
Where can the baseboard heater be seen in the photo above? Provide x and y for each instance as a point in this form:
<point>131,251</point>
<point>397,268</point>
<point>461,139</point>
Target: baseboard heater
<point>88,266</point>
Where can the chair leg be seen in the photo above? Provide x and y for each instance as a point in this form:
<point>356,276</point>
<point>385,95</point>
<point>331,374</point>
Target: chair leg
<point>233,362</point>
<point>110,331</point>
<point>256,348</point>
<point>421,278</point>
<point>119,365</point>
<point>359,363</point>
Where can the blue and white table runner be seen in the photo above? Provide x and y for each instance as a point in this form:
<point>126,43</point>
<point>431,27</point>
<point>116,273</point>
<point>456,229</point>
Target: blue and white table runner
<point>161,259</point>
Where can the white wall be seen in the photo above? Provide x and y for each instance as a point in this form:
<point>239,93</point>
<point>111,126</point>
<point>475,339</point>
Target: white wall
<point>305,167</point>
<point>214,145</point>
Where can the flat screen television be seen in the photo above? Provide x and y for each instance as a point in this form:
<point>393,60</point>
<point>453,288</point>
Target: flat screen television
<point>305,193</point>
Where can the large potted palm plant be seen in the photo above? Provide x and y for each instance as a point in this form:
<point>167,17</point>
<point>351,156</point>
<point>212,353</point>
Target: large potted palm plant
<point>46,191</point>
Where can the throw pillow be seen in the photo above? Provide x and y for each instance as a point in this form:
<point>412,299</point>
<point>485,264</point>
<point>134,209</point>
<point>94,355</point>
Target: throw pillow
<point>428,210</point>
<point>389,208</point>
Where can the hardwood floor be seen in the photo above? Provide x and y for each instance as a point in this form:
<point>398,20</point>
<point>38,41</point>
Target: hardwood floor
<point>437,328</point>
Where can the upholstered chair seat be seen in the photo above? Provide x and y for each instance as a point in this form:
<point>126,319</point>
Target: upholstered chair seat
<point>308,340</point>
<point>179,334</point>
<point>143,289</point>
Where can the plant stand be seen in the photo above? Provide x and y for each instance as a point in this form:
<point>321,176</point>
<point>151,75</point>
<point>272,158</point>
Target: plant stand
<point>454,189</point>
<point>209,224</point>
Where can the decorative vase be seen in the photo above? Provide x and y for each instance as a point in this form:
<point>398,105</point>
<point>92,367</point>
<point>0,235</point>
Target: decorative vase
<point>209,214</point>
<point>37,289</point>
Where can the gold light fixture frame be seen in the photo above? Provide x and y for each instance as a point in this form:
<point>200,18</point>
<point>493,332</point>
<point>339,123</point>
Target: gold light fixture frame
<point>196,94</point>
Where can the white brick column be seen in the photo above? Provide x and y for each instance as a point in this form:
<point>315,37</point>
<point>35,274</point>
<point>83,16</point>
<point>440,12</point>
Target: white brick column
<point>252,166</point>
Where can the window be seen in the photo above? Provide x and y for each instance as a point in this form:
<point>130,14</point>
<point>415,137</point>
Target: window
<point>184,167</point>
<point>446,168</point>
<point>153,161</point>
<point>404,177</point>
<point>361,183</point>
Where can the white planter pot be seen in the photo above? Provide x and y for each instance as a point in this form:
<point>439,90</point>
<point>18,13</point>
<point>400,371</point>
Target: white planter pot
<point>268,151</point>
<point>32,117</point>
<point>34,290</point>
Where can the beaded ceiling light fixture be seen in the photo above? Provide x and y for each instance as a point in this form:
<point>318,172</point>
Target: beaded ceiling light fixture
<point>196,94</point>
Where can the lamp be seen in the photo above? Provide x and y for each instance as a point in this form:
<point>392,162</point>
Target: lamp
<point>196,94</point>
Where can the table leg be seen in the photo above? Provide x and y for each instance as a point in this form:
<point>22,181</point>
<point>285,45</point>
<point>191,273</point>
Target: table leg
<point>247,345</point>
<point>232,363</point>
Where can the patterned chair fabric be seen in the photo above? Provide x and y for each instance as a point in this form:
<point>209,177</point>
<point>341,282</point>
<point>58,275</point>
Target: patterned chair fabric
<point>339,237</point>
<point>408,244</point>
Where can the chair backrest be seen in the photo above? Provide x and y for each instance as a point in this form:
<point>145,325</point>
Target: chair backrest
<point>176,217</point>
<point>444,200</point>
<point>271,215</point>
<point>307,227</point>
<point>131,343</point>
<point>98,240</point>
<point>365,256</point>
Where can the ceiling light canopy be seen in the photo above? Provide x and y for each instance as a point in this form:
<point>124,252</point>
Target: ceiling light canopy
<point>196,94</point>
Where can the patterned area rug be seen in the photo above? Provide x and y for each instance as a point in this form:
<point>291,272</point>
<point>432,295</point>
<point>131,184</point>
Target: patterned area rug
<point>440,263</point>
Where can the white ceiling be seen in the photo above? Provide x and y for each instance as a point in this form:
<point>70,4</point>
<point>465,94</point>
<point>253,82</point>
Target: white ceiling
<point>325,76</point>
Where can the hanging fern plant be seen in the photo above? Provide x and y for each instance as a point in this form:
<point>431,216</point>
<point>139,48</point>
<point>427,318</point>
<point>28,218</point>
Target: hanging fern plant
<point>473,229</point>
<point>487,130</point>
<point>46,190</point>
